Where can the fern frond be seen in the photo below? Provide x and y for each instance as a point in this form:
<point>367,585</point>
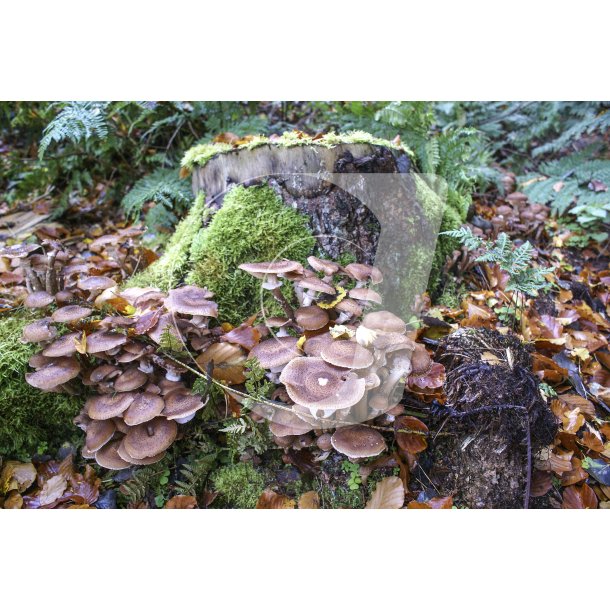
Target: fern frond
<point>75,122</point>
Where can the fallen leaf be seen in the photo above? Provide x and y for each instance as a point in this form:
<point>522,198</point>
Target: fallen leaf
<point>309,499</point>
<point>579,497</point>
<point>598,469</point>
<point>182,502</point>
<point>270,499</point>
<point>14,500</point>
<point>389,493</point>
<point>410,434</point>
<point>443,502</point>
<point>541,483</point>
<point>53,489</point>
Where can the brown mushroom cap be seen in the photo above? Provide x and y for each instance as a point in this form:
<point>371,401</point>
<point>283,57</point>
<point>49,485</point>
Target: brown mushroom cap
<point>124,454</point>
<point>311,317</point>
<point>145,406</point>
<point>96,282</point>
<point>64,346</point>
<point>260,270</point>
<point>108,457</point>
<point>275,352</point>
<point>326,267</point>
<point>362,272</point>
<point>61,370</point>
<point>130,379</point>
<point>103,340</point>
<point>98,434</point>
<point>315,283</point>
<point>315,384</point>
<point>384,321</point>
<point>314,345</point>
<point>102,372</point>
<point>346,354</point>
<point>151,438</point>
<point>18,250</point>
<point>39,331</point>
<point>106,406</point>
<point>191,300</point>
<point>38,299</point>
<point>286,423</point>
<point>358,441</point>
<point>180,403</point>
<point>365,294</point>
<point>71,313</point>
<point>323,442</point>
<point>349,306</point>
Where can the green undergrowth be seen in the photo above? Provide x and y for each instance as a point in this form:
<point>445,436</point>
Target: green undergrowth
<point>31,421</point>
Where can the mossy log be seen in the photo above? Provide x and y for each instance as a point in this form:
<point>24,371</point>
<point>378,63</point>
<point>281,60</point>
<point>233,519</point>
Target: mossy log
<point>344,197</point>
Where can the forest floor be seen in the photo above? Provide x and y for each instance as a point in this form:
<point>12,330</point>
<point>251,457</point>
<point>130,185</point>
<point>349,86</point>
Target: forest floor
<point>564,331</point>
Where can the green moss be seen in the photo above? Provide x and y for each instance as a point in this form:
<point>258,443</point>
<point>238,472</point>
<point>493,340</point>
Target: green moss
<point>452,293</point>
<point>171,268</point>
<point>253,225</point>
<point>30,420</point>
<point>239,485</point>
<point>200,154</point>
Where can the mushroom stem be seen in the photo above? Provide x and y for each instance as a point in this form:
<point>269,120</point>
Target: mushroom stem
<point>150,430</point>
<point>51,276</point>
<point>281,299</point>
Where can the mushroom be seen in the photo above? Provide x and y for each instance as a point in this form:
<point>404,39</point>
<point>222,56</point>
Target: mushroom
<point>60,371</point>
<point>181,404</point>
<point>270,273</point>
<point>103,371</point>
<point>365,294</point>
<point>328,268</point>
<point>38,299</point>
<point>191,300</point>
<point>347,354</point>
<point>70,313</point>
<point>311,317</point>
<point>314,345</point>
<point>400,367</point>
<point>286,423</point>
<point>384,321</point>
<point>145,406</point>
<point>274,354</point>
<point>348,309</point>
<point>150,438</point>
<point>228,360</point>
<point>420,360</point>
<point>103,341</point>
<point>38,331</point>
<point>131,379</point>
<point>106,406</point>
<point>108,457</point>
<point>324,442</point>
<point>124,455</point>
<point>317,385</point>
<point>361,273</point>
<point>357,442</point>
<point>64,346</point>
<point>95,283</point>
<point>98,434</point>
<point>312,285</point>
<point>278,322</point>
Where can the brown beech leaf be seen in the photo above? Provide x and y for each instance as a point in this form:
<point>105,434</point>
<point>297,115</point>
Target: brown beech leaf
<point>579,497</point>
<point>541,483</point>
<point>410,434</point>
<point>438,502</point>
<point>52,489</point>
<point>84,488</point>
<point>270,499</point>
<point>389,493</point>
<point>309,499</point>
<point>561,462</point>
<point>244,335</point>
<point>574,400</point>
<point>16,475</point>
<point>592,441</point>
<point>182,502</point>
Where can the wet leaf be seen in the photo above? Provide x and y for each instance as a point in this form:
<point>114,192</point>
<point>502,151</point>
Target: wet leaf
<point>309,499</point>
<point>389,493</point>
<point>410,434</point>
<point>579,497</point>
<point>598,469</point>
<point>182,502</point>
<point>541,483</point>
<point>52,489</point>
<point>437,502</point>
<point>271,499</point>
<point>14,500</point>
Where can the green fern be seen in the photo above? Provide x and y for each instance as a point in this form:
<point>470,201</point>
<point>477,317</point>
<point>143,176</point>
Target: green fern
<point>574,184</point>
<point>193,475</point>
<point>145,481</point>
<point>164,187</point>
<point>517,262</point>
<point>75,122</point>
